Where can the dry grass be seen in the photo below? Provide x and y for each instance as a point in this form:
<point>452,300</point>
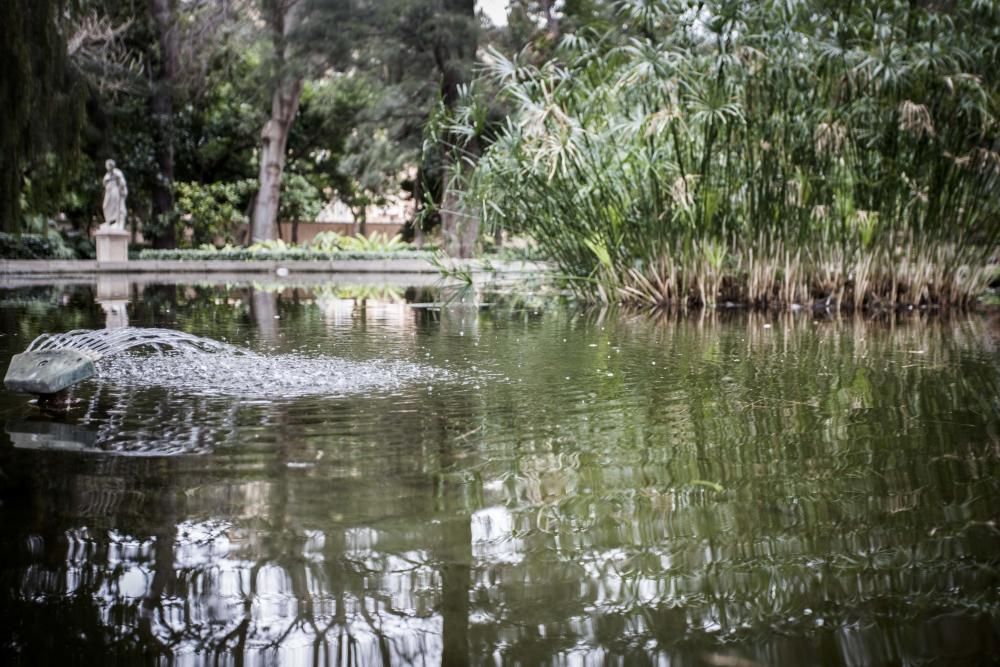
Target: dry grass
<point>778,278</point>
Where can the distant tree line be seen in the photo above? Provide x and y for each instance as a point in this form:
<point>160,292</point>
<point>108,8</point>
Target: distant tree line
<point>237,113</point>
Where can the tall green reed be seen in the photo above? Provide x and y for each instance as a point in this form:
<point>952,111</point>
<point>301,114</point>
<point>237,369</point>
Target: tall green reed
<point>768,152</point>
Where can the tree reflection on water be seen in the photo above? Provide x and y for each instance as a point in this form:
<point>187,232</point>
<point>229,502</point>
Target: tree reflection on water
<point>139,564</point>
<point>698,492</point>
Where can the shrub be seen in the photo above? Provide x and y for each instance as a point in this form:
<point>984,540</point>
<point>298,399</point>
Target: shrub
<point>272,251</point>
<point>214,209</point>
<point>377,242</point>
<point>34,246</point>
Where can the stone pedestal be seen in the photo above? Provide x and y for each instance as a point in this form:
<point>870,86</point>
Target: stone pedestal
<point>112,245</point>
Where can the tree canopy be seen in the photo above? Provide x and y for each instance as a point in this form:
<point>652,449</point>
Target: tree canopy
<point>182,94</point>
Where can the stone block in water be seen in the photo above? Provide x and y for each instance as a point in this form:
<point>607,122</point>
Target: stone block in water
<point>47,372</point>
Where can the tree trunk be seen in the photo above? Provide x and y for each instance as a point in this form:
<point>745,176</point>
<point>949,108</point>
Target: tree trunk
<point>161,102</point>
<point>274,136</point>
<point>418,200</point>
<point>274,141</point>
<point>551,20</point>
<point>460,228</point>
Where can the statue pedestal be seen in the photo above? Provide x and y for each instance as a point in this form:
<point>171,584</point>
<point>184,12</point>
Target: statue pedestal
<point>112,245</point>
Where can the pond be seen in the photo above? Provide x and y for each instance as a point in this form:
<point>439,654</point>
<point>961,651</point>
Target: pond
<point>542,485</point>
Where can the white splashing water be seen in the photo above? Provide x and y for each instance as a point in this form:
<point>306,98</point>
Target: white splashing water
<point>203,366</point>
<point>261,376</point>
<point>100,343</point>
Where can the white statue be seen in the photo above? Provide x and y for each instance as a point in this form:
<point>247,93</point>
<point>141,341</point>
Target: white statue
<point>115,191</point>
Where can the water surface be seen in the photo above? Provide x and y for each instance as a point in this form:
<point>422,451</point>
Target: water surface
<point>552,487</point>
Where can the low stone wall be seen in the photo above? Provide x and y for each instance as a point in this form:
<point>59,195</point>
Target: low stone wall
<point>55,267</point>
<point>123,282</point>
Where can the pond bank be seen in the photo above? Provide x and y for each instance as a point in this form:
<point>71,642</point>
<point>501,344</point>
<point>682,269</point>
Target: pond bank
<point>120,281</point>
<point>45,266</point>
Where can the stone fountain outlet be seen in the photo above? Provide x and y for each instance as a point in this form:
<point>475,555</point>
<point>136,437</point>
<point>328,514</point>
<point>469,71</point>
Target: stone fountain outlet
<point>54,362</point>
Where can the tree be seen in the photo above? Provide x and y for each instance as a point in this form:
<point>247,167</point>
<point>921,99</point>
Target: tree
<point>454,56</point>
<point>420,54</point>
<point>161,103</point>
<point>322,148</point>
<point>426,50</point>
<point>41,98</point>
<point>535,27</point>
<point>283,18</point>
<point>136,67</point>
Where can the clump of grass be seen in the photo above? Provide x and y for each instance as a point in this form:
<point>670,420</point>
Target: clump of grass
<point>940,275</point>
<point>766,153</point>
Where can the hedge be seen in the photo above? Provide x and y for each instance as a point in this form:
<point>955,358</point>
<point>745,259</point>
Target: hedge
<point>33,246</point>
<point>287,254</point>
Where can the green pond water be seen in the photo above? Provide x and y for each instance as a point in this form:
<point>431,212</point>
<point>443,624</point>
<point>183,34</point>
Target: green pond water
<point>546,485</point>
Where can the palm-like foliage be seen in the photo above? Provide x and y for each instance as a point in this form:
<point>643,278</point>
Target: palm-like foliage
<point>711,141</point>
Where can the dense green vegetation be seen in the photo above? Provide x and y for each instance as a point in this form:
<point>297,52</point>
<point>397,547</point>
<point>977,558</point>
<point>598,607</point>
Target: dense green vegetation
<point>772,153</point>
<point>34,246</point>
<point>661,152</point>
<point>763,152</point>
<point>192,98</point>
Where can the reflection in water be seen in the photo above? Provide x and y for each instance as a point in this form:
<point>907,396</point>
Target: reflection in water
<point>701,491</point>
<point>48,434</point>
<point>123,420</point>
<point>265,313</point>
<point>113,293</point>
